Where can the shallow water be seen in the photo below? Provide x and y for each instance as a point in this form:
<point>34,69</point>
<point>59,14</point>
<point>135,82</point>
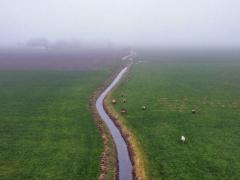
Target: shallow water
<point>124,162</point>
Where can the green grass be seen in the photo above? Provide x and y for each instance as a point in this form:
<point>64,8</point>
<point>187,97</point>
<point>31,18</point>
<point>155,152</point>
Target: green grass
<point>46,130</point>
<point>170,90</point>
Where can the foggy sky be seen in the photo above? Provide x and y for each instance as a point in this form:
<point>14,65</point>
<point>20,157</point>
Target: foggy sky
<point>131,22</point>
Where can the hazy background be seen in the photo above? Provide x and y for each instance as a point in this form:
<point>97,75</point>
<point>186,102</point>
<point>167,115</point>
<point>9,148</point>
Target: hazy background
<point>125,22</point>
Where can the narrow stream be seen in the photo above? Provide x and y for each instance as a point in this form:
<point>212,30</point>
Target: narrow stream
<point>124,162</point>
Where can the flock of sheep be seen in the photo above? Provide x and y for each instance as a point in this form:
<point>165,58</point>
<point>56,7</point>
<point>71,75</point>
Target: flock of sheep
<point>124,111</point>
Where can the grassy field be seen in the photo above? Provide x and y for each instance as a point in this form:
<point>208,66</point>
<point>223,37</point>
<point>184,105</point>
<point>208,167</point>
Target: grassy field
<point>46,130</point>
<point>170,86</point>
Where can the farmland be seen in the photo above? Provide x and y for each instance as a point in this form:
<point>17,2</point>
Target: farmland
<point>59,59</point>
<point>46,129</point>
<point>170,85</point>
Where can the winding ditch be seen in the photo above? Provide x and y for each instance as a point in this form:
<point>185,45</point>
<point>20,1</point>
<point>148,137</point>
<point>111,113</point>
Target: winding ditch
<point>125,166</point>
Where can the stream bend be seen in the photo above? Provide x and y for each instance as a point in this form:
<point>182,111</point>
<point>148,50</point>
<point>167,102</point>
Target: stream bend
<point>124,162</point>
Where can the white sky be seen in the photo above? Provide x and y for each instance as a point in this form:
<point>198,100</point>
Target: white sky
<point>132,22</point>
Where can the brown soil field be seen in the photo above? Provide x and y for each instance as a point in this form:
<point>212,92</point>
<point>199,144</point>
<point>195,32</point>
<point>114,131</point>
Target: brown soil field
<point>59,59</point>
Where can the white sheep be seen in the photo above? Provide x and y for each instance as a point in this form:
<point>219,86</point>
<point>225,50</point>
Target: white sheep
<point>183,139</point>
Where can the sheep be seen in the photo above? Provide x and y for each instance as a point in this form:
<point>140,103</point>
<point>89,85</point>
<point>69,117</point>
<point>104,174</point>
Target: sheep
<point>183,139</point>
<point>114,101</point>
<point>143,108</point>
<point>194,111</point>
<point>124,111</point>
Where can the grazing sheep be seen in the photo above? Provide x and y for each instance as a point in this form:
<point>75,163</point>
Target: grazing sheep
<point>124,111</point>
<point>143,108</point>
<point>194,111</point>
<point>183,139</point>
<point>114,101</point>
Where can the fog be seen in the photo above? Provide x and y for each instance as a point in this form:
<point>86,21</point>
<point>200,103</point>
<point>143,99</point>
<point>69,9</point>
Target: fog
<point>125,22</point>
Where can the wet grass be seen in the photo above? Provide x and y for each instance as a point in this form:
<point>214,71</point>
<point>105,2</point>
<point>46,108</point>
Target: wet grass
<point>46,130</point>
<point>170,90</point>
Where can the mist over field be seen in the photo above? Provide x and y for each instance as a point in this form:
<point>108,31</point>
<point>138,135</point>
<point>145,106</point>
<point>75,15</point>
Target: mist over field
<point>60,59</point>
<point>162,23</point>
<point>60,34</point>
<point>119,89</point>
